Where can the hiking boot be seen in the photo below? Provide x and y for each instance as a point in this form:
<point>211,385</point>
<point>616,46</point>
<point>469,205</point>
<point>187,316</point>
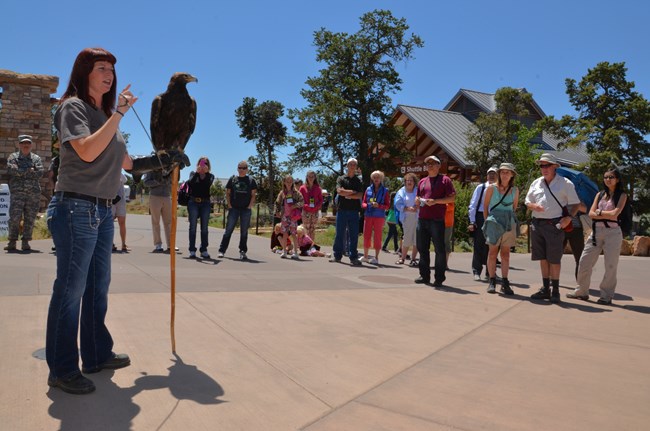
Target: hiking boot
<point>11,245</point>
<point>555,295</point>
<point>492,287</point>
<point>26,246</point>
<point>77,384</point>
<point>543,293</point>
<point>115,362</point>
<point>505,287</point>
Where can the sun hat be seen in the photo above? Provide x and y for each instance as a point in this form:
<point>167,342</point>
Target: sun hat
<point>548,158</point>
<point>508,166</point>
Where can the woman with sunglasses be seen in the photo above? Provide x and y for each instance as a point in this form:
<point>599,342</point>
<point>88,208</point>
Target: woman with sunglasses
<point>606,237</point>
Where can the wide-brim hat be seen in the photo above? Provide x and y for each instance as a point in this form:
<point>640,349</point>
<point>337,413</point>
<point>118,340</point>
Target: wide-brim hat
<point>547,158</point>
<point>508,166</point>
<point>433,158</point>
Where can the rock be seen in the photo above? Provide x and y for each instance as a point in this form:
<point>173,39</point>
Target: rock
<point>626,248</point>
<point>641,246</point>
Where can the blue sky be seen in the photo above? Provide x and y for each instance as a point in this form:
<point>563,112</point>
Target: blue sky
<point>264,49</point>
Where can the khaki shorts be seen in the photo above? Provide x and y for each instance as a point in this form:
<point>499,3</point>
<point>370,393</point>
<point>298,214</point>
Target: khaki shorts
<point>508,239</point>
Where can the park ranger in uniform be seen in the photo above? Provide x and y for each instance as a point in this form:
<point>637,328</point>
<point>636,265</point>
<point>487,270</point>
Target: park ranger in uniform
<point>25,170</point>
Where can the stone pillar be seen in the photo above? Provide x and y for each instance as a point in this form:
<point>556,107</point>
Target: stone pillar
<point>25,109</point>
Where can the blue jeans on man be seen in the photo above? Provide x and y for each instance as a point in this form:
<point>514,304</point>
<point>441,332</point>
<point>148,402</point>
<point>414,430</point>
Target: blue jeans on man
<point>243,215</point>
<point>428,231</point>
<point>196,210</point>
<point>346,219</point>
<point>82,232</point>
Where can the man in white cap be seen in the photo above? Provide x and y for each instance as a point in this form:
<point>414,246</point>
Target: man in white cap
<point>553,201</point>
<point>476,219</point>
<point>25,170</point>
<point>433,194</point>
<point>350,191</point>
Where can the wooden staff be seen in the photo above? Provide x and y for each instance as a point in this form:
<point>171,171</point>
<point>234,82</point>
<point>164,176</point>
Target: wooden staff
<point>172,254</point>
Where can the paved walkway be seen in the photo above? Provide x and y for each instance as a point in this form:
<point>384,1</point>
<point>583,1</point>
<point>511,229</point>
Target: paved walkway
<point>273,344</point>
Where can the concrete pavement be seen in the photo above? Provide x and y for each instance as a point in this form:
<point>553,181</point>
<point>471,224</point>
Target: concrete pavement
<point>273,344</point>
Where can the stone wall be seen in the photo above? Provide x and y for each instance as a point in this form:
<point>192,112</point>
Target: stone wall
<point>26,105</point>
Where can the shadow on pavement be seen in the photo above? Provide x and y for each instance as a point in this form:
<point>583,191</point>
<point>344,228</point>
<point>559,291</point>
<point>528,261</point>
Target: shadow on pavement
<point>112,407</point>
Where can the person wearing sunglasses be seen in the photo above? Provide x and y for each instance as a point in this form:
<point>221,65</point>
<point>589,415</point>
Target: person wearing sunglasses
<point>553,201</point>
<point>241,191</point>
<point>606,237</point>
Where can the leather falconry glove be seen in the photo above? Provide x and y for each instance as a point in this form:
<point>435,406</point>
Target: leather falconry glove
<point>163,161</point>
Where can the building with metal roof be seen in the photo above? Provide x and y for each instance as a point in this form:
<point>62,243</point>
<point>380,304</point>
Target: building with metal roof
<point>443,133</point>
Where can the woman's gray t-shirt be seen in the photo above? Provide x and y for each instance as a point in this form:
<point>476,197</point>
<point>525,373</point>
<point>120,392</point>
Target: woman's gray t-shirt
<point>76,119</point>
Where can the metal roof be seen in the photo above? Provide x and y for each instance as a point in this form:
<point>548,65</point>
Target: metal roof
<point>447,128</point>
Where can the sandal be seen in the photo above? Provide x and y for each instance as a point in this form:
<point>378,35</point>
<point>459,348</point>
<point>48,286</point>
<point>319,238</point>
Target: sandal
<point>400,261</point>
<point>125,249</point>
<point>414,262</point>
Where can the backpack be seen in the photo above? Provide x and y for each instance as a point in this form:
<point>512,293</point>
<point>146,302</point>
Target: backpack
<point>184,193</point>
<point>626,215</point>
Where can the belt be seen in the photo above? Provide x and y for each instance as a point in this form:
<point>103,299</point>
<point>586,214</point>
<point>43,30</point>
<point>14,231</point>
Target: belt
<point>546,220</point>
<point>199,200</point>
<point>99,201</point>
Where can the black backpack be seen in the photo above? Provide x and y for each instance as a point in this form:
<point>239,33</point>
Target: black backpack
<point>625,217</point>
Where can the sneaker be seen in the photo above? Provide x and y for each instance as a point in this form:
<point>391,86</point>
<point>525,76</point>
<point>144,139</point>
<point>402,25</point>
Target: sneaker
<point>220,254</point>
<point>115,362</point>
<point>356,262</point>
<point>385,250</point>
<point>477,277</point>
<point>26,246</point>
<point>422,280</point>
<point>373,261</point>
<point>505,287</point>
<point>364,259</point>
<point>205,255</point>
<point>192,255</point>
<point>492,287</point>
<point>555,296</point>
<point>543,293</point>
<point>283,255</point>
<point>77,384</point>
<point>333,259</point>
<point>242,255</point>
<point>295,256</point>
<point>573,295</point>
<point>158,249</point>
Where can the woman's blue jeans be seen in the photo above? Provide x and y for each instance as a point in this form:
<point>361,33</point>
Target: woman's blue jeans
<point>83,236</point>
<point>196,210</point>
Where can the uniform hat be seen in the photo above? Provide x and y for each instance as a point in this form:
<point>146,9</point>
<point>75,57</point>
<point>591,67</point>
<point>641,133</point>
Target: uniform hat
<point>24,138</point>
<point>434,158</point>
<point>548,158</point>
<point>508,166</point>
<point>352,160</point>
<point>492,169</point>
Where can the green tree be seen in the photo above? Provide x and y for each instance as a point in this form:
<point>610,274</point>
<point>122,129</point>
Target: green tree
<point>494,134</point>
<point>348,103</point>
<point>261,123</point>
<point>613,121</point>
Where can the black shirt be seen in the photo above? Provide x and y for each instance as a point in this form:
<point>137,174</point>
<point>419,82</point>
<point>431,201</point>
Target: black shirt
<point>349,183</point>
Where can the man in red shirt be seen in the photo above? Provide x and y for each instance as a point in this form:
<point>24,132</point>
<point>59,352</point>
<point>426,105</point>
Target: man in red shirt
<point>434,193</point>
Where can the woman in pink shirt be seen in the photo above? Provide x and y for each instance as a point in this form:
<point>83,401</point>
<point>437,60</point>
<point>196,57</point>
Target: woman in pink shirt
<point>313,200</point>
